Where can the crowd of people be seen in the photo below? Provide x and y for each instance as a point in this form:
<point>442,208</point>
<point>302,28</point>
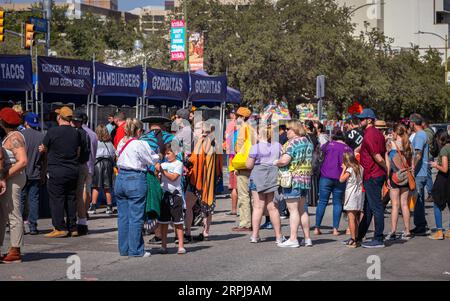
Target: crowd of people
<point>170,175</point>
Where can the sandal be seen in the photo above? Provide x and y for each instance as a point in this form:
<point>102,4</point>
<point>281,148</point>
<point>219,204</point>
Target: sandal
<point>351,243</point>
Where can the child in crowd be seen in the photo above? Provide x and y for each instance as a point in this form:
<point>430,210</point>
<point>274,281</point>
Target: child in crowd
<point>352,173</point>
<point>172,204</point>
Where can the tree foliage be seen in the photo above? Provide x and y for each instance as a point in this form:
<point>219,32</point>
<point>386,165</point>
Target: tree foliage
<point>271,51</point>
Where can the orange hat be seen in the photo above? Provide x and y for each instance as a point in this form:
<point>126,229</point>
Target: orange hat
<point>10,116</point>
<point>244,112</point>
<point>64,112</point>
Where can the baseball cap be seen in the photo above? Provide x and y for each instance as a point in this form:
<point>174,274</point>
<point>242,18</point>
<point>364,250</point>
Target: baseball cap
<point>32,119</point>
<point>367,113</point>
<point>79,116</point>
<point>10,116</point>
<point>64,112</point>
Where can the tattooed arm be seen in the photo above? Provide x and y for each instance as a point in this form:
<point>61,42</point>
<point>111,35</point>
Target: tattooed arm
<point>20,153</point>
<point>2,172</point>
<point>416,160</point>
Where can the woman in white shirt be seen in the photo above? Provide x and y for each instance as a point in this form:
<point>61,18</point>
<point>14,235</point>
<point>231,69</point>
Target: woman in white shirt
<point>134,156</point>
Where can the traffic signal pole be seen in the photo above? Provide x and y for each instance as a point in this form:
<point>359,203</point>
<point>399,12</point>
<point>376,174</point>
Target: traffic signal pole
<point>47,10</point>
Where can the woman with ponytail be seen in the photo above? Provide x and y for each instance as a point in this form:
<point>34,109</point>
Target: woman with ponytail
<point>398,159</point>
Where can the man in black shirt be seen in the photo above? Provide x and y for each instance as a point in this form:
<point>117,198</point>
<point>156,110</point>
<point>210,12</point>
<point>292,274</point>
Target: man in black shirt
<point>63,145</point>
<point>354,134</point>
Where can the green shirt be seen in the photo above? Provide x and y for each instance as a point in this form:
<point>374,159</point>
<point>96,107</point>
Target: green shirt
<point>445,151</point>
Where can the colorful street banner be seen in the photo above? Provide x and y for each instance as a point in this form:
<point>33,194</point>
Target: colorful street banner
<point>163,84</point>
<point>177,40</point>
<point>196,44</point>
<point>116,81</point>
<point>64,76</point>
<point>208,88</point>
<point>16,73</point>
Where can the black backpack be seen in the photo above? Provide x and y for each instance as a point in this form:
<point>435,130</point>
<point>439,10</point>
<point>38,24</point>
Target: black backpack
<point>434,146</point>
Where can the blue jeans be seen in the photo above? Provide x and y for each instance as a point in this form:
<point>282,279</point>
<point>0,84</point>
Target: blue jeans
<point>419,210</point>
<point>438,217</point>
<point>131,193</point>
<point>327,187</point>
<point>31,190</point>
<point>373,207</point>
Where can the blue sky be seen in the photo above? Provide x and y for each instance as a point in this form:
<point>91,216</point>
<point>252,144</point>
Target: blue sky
<point>123,4</point>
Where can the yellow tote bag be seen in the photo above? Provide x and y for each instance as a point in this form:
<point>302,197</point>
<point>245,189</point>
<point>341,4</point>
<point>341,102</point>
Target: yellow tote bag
<point>240,159</point>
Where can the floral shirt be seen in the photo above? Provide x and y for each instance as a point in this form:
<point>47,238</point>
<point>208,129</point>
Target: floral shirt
<point>300,149</point>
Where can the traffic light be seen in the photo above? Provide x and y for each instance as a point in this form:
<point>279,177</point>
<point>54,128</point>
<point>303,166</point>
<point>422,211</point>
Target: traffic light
<point>2,26</point>
<point>29,35</point>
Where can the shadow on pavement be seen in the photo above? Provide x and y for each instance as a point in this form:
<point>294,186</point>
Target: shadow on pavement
<point>322,241</point>
<point>225,237</point>
<point>100,231</point>
<point>42,256</point>
<point>222,222</point>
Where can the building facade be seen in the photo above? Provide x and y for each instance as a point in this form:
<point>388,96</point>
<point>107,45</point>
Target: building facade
<point>402,20</point>
<point>108,4</point>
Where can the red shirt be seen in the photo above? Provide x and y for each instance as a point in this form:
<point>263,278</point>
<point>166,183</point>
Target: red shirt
<point>373,143</point>
<point>120,133</point>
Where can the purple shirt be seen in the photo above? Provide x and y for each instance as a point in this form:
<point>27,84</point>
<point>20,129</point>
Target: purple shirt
<point>265,153</point>
<point>94,144</point>
<point>333,156</point>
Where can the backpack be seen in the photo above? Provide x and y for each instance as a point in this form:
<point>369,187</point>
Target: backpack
<point>434,146</point>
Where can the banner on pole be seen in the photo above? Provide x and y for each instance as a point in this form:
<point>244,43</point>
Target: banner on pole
<point>64,76</point>
<point>116,81</point>
<point>16,73</point>
<point>208,88</point>
<point>163,84</point>
<point>196,44</point>
<point>177,40</point>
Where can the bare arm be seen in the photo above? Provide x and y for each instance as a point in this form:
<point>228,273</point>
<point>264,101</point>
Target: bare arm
<point>20,153</point>
<point>442,168</point>
<point>417,157</point>
<point>2,165</point>
<point>283,161</point>
<point>171,176</point>
<point>344,176</point>
<point>250,163</point>
<point>380,161</point>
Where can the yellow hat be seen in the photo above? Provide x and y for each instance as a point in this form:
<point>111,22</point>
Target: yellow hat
<point>244,112</point>
<point>65,112</point>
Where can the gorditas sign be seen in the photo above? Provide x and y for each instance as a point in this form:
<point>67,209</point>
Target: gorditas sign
<point>177,40</point>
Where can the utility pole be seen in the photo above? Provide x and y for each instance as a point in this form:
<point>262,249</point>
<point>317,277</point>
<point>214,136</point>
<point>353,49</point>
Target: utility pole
<point>186,42</point>
<point>47,10</point>
<point>445,39</point>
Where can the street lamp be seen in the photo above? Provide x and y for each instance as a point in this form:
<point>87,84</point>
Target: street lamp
<point>445,39</point>
<point>364,5</point>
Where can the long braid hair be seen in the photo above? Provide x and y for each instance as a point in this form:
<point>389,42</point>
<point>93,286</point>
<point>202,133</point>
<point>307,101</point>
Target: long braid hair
<point>402,132</point>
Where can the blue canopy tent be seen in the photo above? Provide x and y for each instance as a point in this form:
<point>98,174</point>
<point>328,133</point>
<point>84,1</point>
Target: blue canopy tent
<point>208,90</point>
<point>64,81</point>
<point>16,79</point>
<point>166,88</point>
<point>118,86</point>
<point>233,96</point>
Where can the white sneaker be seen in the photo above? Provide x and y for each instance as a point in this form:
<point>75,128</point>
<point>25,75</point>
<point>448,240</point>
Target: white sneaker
<point>307,242</point>
<point>289,244</point>
<point>254,240</point>
<point>280,240</point>
<point>147,254</point>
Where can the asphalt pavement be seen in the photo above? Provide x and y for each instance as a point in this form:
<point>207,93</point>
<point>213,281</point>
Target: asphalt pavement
<point>229,256</point>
